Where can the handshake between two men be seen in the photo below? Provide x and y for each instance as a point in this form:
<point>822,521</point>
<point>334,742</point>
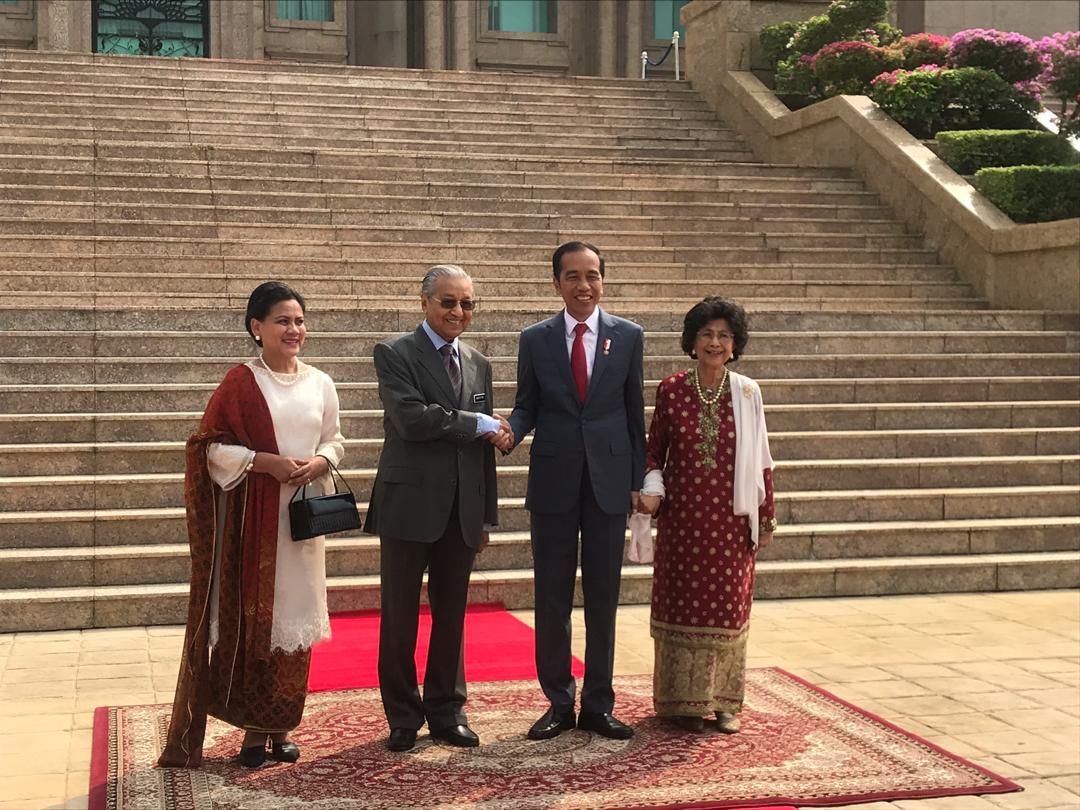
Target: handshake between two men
<point>503,438</point>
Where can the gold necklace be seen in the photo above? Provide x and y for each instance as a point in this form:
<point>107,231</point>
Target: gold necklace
<point>708,418</point>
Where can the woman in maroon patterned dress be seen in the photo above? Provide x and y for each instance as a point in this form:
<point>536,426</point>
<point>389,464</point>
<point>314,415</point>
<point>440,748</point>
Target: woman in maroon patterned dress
<point>709,481</point>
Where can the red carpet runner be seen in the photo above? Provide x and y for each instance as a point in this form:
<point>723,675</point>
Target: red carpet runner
<point>498,647</point>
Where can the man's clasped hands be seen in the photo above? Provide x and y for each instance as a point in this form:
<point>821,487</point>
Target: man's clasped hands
<point>503,438</point>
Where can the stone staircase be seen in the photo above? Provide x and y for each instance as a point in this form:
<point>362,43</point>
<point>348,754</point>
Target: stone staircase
<point>924,442</point>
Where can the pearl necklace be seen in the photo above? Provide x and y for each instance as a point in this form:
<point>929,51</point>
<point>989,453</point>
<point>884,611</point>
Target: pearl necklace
<point>709,398</point>
<point>284,378</point>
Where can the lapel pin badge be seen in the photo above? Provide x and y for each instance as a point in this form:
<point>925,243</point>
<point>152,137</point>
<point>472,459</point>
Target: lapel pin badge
<point>607,346</point>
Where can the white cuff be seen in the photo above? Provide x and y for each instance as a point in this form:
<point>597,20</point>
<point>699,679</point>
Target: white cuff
<point>654,483</point>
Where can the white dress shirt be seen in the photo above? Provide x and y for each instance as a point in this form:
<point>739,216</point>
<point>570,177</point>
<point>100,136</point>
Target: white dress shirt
<point>589,338</point>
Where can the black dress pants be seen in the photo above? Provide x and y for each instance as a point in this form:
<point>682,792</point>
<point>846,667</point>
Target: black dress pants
<point>448,562</point>
<point>555,557</point>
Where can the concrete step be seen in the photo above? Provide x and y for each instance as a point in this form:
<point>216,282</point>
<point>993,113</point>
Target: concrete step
<point>156,400</point>
<point>358,555</point>
<point>104,273</point>
<point>193,161</point>
<point>198,343</point>
<point>137,182</point>
<point>45,370</point>
<point>222,312</point>
<point>24,610</point>
<point>841,442</point>
<point>124,458</point>
<point>153,426</point>
<point>924,442</point>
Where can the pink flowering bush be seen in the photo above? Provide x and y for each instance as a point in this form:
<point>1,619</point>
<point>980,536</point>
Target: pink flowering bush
<point>1061,76</point>
<point>1011,56</point>
<point>923,49</point>
<point>849,67</point>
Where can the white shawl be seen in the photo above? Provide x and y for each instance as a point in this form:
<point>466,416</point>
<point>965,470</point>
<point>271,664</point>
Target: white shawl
<point>752,454</point>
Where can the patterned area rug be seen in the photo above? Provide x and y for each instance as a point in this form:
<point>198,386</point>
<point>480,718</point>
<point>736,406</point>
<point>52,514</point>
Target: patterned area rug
<point>799,745</point>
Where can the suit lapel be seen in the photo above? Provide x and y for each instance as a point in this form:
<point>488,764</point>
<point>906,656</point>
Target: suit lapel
<point>604,331</point>
<point>557,347</point>
<point>471,379</point>
<point>431,361</point>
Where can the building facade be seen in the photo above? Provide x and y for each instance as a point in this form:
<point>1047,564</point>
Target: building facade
<point>576,37</point>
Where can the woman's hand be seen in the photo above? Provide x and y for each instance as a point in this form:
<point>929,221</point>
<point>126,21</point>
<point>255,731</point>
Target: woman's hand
<point>281,468</point>
<point>764,539</point>
<point>308,470</point>
<point>649,504</point>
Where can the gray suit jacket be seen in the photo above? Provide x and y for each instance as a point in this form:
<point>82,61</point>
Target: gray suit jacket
<point>430,449</point>
<point>608,430</point>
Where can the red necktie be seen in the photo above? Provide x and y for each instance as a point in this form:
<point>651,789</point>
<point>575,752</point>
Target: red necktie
<point>578,367</point>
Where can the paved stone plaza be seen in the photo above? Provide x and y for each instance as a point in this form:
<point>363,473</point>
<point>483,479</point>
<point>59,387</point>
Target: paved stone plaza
<point>992,677</point>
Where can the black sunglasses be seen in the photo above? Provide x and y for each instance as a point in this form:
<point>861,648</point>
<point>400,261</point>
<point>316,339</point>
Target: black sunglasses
<point>466,304</point>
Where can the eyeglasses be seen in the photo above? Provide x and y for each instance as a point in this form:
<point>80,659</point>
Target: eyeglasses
<point>723,337</point>
<point>466,304</point>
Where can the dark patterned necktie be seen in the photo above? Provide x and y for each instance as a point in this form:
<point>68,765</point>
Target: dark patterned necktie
<point>452,370</point>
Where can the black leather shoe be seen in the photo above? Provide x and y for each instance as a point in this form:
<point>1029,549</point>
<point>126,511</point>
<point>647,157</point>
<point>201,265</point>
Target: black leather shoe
<point>460,735</point>
<point>401,739</point>
<point>551,725</point>
<point>605,725</point>
<point>287,751</point>
<point>252,756</point>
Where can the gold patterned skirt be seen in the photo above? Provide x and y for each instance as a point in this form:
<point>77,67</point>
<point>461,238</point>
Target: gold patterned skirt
<point>698,670</point>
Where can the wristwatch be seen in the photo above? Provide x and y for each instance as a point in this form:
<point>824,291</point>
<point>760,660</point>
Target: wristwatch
<point>767,525</point>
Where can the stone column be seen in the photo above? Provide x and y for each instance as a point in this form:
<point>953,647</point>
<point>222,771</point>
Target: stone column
<point>237,30</point>
<point>635,38</point>
<point>435,34</point>
<point>63,25</point>
<point>464,34</point>
<point>607,37</point>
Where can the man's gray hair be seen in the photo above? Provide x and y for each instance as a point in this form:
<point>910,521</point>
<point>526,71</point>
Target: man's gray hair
<point>431,278</point>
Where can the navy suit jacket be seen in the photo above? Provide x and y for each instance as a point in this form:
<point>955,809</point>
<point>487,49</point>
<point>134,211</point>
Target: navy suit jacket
<point>607,431</point>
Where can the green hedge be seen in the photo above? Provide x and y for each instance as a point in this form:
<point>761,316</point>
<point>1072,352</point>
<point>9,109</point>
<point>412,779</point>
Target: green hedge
<point>1032,193</point>
<point>971,150</point>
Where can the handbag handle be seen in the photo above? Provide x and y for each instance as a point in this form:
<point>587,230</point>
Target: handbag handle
<point>334,471</point>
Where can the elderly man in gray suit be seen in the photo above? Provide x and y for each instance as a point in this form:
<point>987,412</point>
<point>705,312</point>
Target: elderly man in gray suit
<point>432,504</point>
<point>579,385</point>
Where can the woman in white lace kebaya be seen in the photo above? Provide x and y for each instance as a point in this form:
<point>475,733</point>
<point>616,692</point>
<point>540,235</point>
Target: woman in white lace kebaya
<point>258,599</point>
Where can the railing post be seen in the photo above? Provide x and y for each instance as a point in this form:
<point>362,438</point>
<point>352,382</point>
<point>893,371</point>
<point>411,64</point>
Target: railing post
<point>644,61</point>
<point>675,47</point>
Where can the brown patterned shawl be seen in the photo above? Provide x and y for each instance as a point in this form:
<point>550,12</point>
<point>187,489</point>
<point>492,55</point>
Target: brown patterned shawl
<point>236,414</point>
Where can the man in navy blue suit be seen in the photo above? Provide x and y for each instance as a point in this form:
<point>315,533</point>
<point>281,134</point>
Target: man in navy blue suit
<point>579,386</point>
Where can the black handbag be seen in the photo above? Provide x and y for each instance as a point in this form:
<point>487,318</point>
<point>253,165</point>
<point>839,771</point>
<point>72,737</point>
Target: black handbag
<point>323,514</point>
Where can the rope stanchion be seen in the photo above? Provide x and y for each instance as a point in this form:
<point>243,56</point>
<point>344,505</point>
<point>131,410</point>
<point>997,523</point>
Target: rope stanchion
<point>674,46</point>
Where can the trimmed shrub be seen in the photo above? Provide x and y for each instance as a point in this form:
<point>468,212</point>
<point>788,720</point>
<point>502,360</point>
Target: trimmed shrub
<point>1032,193</point>
<point>856,15</point>
<point>967,152</point>
<point>795,76</point>
<point>923,49</point>
<point>815,34</point>
<point>849,67</point>
<point>931,99</point>
<point>775,41</point>
<point>1011,56</point>
<point>884,34</point>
